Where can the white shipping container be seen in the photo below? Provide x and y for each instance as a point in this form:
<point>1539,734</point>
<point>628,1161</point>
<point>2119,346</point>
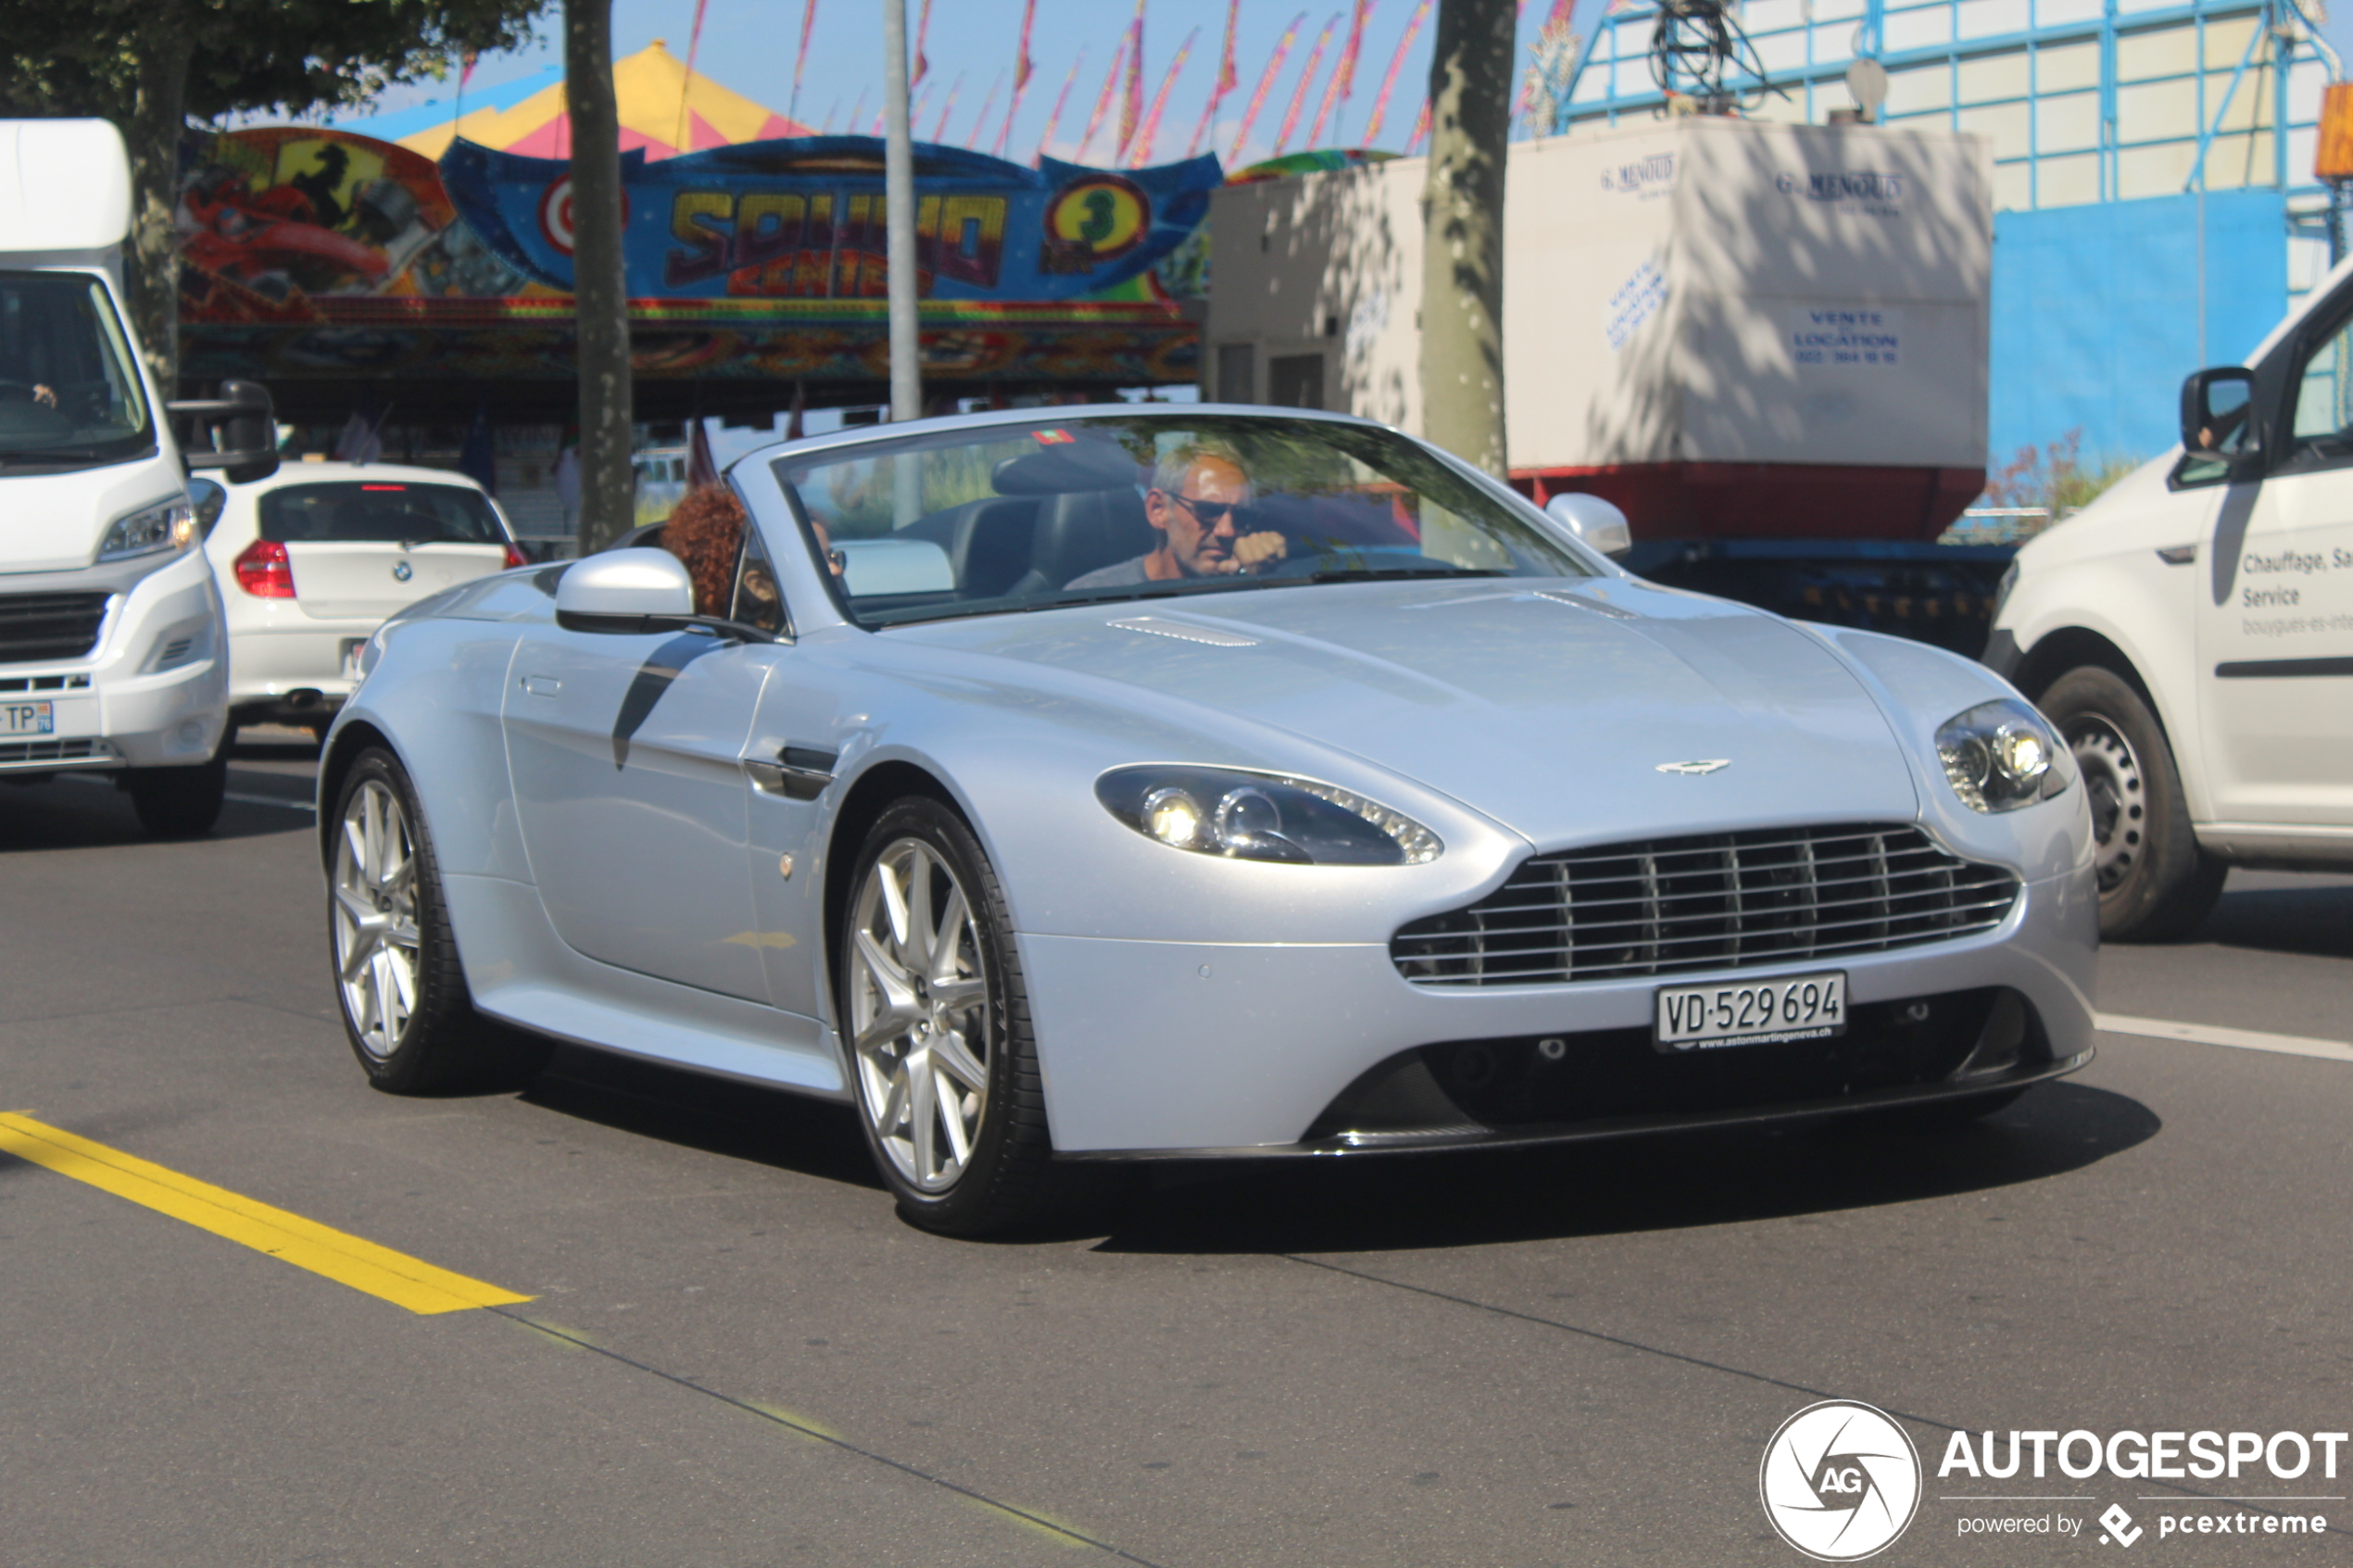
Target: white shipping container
<point>1681,293</point>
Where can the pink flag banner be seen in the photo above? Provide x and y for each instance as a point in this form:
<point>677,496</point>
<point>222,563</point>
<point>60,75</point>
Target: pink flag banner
<point>939,132</point>
<point>1306,80</point>
<point>1102,99</point>
<point>987,103</point>
<point>1265,84</point>
<point>800,61</point>
<point>1046,137</point>
<point>1421,129</point>
<point>1396,64</point>
<point>1131,100</point>
<point>1225,81</point>
<point>922,25</point>
<point>1022,72</point>
<point>1149,132</point>
<point>1342,85</point>
<point>694,47</point>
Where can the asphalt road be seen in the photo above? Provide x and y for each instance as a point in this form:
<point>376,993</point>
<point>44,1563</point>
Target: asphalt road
<point>734,1353</point>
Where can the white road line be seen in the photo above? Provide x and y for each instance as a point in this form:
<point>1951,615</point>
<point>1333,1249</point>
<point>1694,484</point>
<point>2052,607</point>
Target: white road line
<point>269,800</point>
<point>2210,1035</point>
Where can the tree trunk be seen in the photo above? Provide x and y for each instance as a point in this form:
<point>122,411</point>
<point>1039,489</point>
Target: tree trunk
<point>151,273</point>
<point>601,296</point>
<point>1470,83</point>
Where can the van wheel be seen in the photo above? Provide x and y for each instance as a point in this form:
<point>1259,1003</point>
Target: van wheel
<point>179,802</point>
<point>2154,881</point>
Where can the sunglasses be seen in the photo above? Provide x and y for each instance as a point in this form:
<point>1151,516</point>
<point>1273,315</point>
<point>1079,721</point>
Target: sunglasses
<point>1209,514</point>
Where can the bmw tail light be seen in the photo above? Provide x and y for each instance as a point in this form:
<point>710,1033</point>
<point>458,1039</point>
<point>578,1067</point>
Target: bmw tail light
<point>264,571</point>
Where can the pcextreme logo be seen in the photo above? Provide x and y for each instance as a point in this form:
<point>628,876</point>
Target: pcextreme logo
<point>1841,1481</point>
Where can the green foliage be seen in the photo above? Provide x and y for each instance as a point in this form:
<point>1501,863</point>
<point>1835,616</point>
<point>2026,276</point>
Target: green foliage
<point>2054,477</point>
<point>290,57</point>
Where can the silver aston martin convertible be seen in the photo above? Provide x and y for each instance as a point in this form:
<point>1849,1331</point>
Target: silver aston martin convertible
<point>1184,781</point>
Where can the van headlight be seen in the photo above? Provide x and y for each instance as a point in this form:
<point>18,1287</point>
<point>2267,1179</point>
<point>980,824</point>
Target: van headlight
<point>167,525</point>
<point>2002,755</point>
<point>1247,816</point>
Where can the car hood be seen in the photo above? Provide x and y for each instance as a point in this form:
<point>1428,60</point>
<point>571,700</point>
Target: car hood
<point>1560,710</point>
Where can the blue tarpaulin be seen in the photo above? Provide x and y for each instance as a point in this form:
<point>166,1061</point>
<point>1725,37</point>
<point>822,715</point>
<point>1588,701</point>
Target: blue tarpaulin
<point>2095,314</point>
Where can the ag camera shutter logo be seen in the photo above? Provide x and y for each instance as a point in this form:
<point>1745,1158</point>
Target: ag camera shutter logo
<point>1841,1481</point>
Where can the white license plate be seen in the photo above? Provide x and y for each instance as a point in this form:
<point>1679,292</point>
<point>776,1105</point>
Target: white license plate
<point>1751,1012</point>
<point>27,718</point>
<point>352,648</point>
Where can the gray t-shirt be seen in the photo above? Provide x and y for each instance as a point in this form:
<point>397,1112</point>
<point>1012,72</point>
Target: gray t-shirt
<point>1126,574</point>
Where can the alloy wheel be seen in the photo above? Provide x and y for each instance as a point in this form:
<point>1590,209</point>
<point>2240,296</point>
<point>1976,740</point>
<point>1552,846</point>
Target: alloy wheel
<point>919,1014</point>
<point>375,917</point>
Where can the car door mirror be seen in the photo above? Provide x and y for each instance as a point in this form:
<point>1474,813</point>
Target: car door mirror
<point>2218,415</point>
<point>628,592</point>
<point>1596,524</point>
<point>239,429</point>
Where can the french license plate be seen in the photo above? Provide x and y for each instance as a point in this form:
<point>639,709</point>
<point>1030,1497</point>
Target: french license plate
<point>27,718</point>
<point>1752,1012</point>
<point>352,648</point>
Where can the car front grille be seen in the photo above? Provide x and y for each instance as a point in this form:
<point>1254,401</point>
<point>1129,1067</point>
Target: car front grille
<point>33,753</point>
<point>40,626</point>
<point>1662,906</point>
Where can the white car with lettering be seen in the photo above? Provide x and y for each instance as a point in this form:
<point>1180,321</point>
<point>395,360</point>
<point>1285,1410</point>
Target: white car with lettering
<point>2191,632</point>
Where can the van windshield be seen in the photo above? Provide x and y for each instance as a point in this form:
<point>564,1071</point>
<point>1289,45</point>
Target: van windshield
<point>69,393</point>
<point>1010,517</point>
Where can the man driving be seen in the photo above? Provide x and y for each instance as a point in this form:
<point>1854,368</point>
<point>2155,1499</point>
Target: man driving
<point>1199,501</point>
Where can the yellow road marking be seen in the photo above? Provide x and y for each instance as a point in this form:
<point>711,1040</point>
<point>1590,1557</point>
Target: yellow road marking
<point>379,1271</point>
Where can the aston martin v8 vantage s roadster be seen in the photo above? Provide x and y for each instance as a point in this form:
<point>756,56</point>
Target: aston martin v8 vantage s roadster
<point>1191,782</point>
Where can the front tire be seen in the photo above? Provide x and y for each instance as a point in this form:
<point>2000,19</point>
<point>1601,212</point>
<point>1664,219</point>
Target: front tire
<point>2154,881</point>
<point>179,802</point>
<point>937,1029</point>
<point>401,987</point>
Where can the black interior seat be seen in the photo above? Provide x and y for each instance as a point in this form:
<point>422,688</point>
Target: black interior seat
<point>1081,530</point>
<point>991,546</point>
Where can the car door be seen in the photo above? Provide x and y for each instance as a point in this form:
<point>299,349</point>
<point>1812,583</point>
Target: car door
<point>2275,612</point>
<point>627,753</point>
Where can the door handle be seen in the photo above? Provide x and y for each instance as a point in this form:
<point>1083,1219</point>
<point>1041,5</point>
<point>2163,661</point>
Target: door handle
<point>800,772</point>
<point>542,686</point>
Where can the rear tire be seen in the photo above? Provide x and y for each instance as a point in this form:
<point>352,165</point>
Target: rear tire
<point>179,802</point>
<point>937,1031</point>
<point>2154,882</point>
<point>399,980</point>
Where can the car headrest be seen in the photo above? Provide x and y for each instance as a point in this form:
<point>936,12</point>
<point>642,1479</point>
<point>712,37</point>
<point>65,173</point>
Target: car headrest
<point>1080,532</point>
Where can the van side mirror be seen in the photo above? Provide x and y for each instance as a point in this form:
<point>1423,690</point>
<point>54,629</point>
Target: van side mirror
<point>2218,416</point>
<point>240,429</point>
<point>1597,523</point>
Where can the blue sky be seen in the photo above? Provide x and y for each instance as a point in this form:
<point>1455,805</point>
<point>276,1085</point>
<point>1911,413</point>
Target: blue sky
<point>750,45</point>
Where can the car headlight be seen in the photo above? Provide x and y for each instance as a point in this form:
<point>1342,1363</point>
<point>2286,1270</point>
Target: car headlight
<point>2001,755</point>
<point>1248,816</point>
<point>167,525</point>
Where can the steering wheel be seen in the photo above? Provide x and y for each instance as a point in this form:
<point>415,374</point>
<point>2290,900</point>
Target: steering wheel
<point>27,388</point>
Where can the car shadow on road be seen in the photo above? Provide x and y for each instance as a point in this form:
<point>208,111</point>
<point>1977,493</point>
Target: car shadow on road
<point>2313,919</point>
<point>1619,1186</point>
<point>714,1115</point>
<point>87,811</point>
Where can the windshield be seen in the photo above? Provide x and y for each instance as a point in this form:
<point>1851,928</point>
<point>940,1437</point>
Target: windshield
<point>69,392</point>
<point>379,512</point>
<point>1111,507</point>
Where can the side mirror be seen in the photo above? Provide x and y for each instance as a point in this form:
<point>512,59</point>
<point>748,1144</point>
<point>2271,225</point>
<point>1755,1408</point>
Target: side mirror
<point>241,431</point>
<point>2218,415</point>
<point>1596,524</point>
<point>630,591</point>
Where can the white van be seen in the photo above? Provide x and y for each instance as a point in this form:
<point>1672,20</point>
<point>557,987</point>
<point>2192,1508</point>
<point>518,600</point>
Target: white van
<point>112,653</point>
<point>2191,632</point>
